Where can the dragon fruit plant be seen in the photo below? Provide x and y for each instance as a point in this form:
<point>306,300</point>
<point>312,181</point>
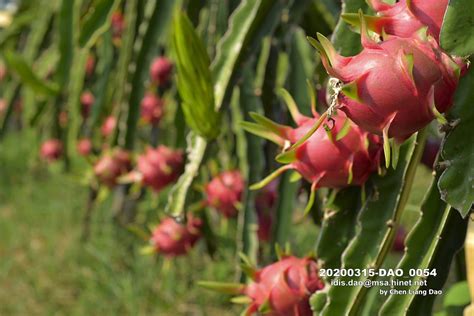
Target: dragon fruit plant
<point>224,192</point>
<point>265,203</point>
<point>334,157</point>
<point>152,109</point>
<point>160,71</point>
<point>172,239</point>
<point>279,289</point>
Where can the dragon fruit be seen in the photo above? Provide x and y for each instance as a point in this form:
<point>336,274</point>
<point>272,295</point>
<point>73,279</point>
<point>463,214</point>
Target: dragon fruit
<point>151,109</point>
<point>108,126</point>
<point>224,192</point>
<point>334,157</point>
<point>404,18</point>
<point>87,101</point>
<point>51,150</point>
<point>173,239</point>
<point>284,288</point>
<point>118,24</point>
<point>84,147</point>
<point>111,166</point>
<point>90,65</point>
<point>393,88</point>
<point>160,70</point>
<point>159,167</point>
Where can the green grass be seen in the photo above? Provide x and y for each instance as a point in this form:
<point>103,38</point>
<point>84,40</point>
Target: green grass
<point>46,270</point>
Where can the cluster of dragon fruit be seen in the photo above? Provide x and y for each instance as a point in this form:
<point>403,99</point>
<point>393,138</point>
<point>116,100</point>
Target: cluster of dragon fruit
<point>400,82</point>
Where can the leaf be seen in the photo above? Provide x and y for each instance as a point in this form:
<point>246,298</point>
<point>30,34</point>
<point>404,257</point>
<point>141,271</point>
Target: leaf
<point>457,295</point>
<point>248,24</point>
<point>194,79</point>
<point>457,31</point>
<point>451,241</point>
<point>365,248</point>
<point>457,152</point>
<point>17,64</point>
<point>421,245</point>
<point>97,21</point>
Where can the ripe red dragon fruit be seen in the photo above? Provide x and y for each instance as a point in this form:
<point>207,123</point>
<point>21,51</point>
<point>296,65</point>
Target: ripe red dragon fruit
<point>84,147</point>
<point>108,126</point>
<point>51,150</point>
<point>160,167</point>
<point>393,88</point>
<point>224,192</point>
<point>152,109</point>
<point>284,288</point>
<point>87,101</point>
<point>404,18</point>
<point>172,239</point>
<point>111,166</point>
<point>160,70</point>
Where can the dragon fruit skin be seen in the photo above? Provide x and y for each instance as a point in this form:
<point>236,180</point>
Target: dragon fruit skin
<point>111,166</point>
<point>151,108</point>
<point>160,70</point>
<point>173,239</point>
<point>84,147</point>
<point>399,85</point>
<point>51,150</point>
<point>224,192</point>
<point>406,18</point>
<point>108,126</point>
<point>160,167</point>
<point>284,287</point>
<point>327,162</point>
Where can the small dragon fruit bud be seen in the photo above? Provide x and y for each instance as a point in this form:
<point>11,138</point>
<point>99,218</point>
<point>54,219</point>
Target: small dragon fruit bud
<point>152,109</point>
<point>84,147</point>
<point>430,152</point>
<point>111,166</point>
<point>284,288</point>
<point>90,65</point>
<point>51,150</point>
<point>118,24</point>
<point>108,126</point>
<point>393,88</point>
<point>87,101</point>
<point>160,167</point>
<point>399,242</point>
<point>224,192</point>
<point>265,207</point>
<point>160,70</point>
<point>173,239</point>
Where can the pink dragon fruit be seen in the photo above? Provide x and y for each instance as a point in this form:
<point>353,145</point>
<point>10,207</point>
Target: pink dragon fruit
<point>161,166</point>
<point>111,166</point>
<point>404,18</point>
<point>224,192</point>
<point>399,242</point>
<point>108,126</point>
<point>90,65</point>
<point>87,101</point>
<point>152,109</point>
<point>284,288</point>
<point>160,70</point>
<point>84,147</point>
<point>51,150</point>
<point>173,239</point>
<point>393,88</point>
